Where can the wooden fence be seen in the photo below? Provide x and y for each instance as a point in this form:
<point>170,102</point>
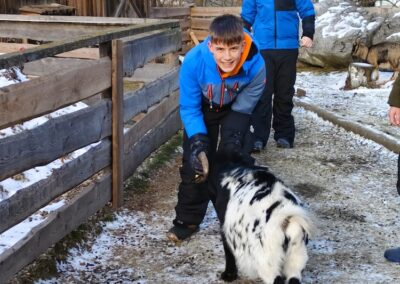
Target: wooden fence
<point>194,21</point>
<point>98,8</point>
<point>126,125</point>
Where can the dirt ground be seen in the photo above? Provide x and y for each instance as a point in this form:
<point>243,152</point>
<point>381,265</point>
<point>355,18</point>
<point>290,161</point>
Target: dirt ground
<point>345,180</point>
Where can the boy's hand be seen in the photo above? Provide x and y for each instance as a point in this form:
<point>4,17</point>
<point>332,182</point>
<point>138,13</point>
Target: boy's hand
<point>199,145</point>
<point>306,42</point>
<point>394,115</point>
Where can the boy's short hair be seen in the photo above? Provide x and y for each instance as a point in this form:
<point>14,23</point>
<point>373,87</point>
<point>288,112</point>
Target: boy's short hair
<point>227,29</point>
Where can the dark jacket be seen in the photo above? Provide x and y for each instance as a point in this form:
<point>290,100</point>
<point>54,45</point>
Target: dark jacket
<point>276,22</point>
<point>201,83</point>
<point>394,97</point>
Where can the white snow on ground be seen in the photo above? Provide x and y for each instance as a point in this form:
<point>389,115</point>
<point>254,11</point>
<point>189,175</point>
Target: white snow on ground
<point>134,230</point>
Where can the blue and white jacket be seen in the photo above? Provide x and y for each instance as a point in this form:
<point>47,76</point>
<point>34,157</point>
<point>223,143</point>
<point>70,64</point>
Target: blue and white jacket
<point>201,83</point>
<point>276,22</point>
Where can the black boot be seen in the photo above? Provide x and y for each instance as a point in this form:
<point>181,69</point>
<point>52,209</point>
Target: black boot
<point>393,255</point>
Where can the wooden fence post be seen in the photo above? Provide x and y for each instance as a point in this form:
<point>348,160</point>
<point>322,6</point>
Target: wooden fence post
<point>117,123</point>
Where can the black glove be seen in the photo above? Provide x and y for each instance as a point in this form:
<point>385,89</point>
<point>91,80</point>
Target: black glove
<point>233,129</point>
<point>199,145</point>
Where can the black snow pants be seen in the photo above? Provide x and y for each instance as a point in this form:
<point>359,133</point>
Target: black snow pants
<point>193,197</point>
<point>281,76</point>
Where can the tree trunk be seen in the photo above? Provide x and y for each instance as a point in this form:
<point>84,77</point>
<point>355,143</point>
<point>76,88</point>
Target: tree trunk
<point>361,75</point>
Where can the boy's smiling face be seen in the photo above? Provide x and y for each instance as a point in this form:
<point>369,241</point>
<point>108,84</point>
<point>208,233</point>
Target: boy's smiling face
<point>226,56</point>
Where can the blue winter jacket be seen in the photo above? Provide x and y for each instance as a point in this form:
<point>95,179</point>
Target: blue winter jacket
<point>201,84</point>
<point>275,23</point>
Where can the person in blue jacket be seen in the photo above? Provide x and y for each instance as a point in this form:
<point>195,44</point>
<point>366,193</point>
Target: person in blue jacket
<point>221,81</point>
<point>275,25</point>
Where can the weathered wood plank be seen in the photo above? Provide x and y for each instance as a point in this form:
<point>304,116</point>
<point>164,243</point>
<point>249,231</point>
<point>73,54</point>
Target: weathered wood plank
<point>55,138</point>
<point>84,53</point>
<point>77,20</point>
<point>214,11</point>
<point>140,49</point>
<point>201,34</point>
<point>52,65</point>
<point>151,141</point>
<point>49,31</point>
<point>200,23</point>
<point>150,120</point>
<point>45,94</point>
<point>186,35</point>
<point>53,48</point>
<point>169,12</point>
<point>27,200</point>
<point>117,123</point>
<point>6,47</point>
<point>58,224</point>
<point>141,99</point>
<point>184,23</point>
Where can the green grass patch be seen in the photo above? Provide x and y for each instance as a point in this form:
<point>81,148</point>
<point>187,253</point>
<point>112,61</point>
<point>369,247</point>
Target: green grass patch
<point>139,182</point>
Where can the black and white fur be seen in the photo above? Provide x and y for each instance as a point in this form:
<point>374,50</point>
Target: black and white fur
<point>265,228</point>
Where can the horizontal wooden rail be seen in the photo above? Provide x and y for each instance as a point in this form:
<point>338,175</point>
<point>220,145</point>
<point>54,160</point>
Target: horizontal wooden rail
<point>85,204</point>
<point>141,99</point>
<point>54,138</point>
<point>201,34</point>
<point>169,12</point>
<point>140,49</point>
<point>53,48</point>
<point>48,93</point>
<point>151,141</point>
<point>214,11</point>
<point>77,20</point>
<point>150,120</point>
<point>50,31</point>
<point>14,209</point>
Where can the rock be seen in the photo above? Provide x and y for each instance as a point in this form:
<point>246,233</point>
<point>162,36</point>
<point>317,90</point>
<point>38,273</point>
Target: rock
<point>300,92</point>
<point>361,74</point>
<point>339,24</point>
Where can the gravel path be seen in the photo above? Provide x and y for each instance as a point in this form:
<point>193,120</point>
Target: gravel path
<point>347,181</point>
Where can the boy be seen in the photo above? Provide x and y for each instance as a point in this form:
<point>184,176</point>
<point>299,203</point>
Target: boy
<point>221,81</point>
<point>393,255</point>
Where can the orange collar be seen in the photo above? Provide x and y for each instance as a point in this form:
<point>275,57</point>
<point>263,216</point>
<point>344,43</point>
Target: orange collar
<point>245,53</point>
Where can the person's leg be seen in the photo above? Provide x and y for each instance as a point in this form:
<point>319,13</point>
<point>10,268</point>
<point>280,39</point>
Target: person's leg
<point>192,200</point>
<point>262,114</point>
<point>193,197</point>
<point>285,78</point>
